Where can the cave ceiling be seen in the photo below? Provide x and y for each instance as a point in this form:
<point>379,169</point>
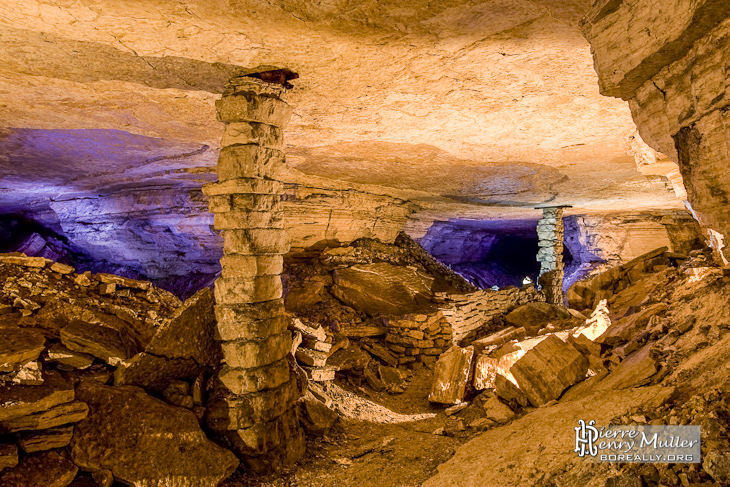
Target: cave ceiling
<point>467,108</point>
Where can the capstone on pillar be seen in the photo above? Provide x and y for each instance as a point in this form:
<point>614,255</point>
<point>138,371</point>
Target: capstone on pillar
<point>253,403</point>
<point>550,253</point>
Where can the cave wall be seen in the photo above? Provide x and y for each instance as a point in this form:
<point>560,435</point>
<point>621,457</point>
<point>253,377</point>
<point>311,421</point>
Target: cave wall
<point>591,240</point>
<point>164,232</point>
<point>670,61</point>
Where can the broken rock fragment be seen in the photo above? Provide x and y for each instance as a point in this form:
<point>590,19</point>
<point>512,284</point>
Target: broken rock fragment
<point>99,341</point>
<point>547,369</point>
<point>451,374</point>
<point>189,332</point>
<point>18,346</point>
<point>47,469</point>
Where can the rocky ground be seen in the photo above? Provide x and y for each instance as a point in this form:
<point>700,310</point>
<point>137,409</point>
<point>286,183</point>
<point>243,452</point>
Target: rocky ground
<point>95,368</point>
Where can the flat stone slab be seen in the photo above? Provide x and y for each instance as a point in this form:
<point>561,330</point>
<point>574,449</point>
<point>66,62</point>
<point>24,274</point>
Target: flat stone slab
<point>71,412</point>
<point>22,400</point>
<point>63,355</point>
<point>46,440</point>
<point>99,341</point>
<point>18,346</point>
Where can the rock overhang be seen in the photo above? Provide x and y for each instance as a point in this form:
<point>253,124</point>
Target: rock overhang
<point>468,110</point>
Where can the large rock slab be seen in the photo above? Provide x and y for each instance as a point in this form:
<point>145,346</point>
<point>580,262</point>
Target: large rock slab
<point>99,341</point>
<point>190,332</point>
<point>624,329</point>
<point>383,289</point>
<point>18,346</point>
<point>547,369</point>
<point>144,442</point>
<point>154,373</point>
<point>22,400</point>
<point>451,375</point>
<point>62,414</point>
<point>48,469</point>
<point>534,316</point>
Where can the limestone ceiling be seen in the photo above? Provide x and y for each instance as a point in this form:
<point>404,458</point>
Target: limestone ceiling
<point>463,106</point>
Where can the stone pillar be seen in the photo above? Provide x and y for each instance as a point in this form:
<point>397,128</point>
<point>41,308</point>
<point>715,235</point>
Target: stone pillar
<point>550,255</point>
<point>252,404</point>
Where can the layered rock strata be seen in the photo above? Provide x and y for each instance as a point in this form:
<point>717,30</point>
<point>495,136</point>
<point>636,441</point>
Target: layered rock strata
<point>669,62</point>
<point>550,233</point>
<point>261,425</point>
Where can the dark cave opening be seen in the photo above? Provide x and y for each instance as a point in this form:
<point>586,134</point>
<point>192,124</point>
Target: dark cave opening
<point>489,253</point>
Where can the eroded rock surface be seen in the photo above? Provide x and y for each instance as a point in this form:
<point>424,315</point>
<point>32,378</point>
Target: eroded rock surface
<point>145,442</point>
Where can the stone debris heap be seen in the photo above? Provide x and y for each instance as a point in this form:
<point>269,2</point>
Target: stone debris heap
<point>103,379</point>
<point>548,348</point>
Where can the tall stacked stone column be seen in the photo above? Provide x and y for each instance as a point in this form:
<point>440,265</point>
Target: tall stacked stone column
<point>253,405</point>
<point>550,254</point>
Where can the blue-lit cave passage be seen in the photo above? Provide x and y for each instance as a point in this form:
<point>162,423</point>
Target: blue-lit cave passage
<point>490,252</point>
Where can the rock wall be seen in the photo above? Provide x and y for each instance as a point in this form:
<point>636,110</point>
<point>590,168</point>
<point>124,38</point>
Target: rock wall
<point>669,61</point>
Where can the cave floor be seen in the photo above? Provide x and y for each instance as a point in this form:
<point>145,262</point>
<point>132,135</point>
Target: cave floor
<point>362,453</point>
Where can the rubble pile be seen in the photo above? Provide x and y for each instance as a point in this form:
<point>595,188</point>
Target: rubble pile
<point>658,321</point>
<point>393,302</point>
<point>103,379</point>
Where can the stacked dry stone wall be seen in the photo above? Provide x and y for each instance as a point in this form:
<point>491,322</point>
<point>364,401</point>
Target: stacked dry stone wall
<point>474,315</point>
<point>421,337</point>
<point>255,409</point>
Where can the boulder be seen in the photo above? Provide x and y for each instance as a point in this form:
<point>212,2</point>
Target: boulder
<point>497,411</point>
<point>351,358</point>
<point>189,332</point>
<point>144,442</point>
<point>47,469</point>
<point>547,369</point>
<point>451,375</point>
<point>18,346</point>
<point>534,316</point>
<point>717,465</point>
<point>303,297</point>
<point>316,418</point>
<point>393,379</point>
<point>384,289</point>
